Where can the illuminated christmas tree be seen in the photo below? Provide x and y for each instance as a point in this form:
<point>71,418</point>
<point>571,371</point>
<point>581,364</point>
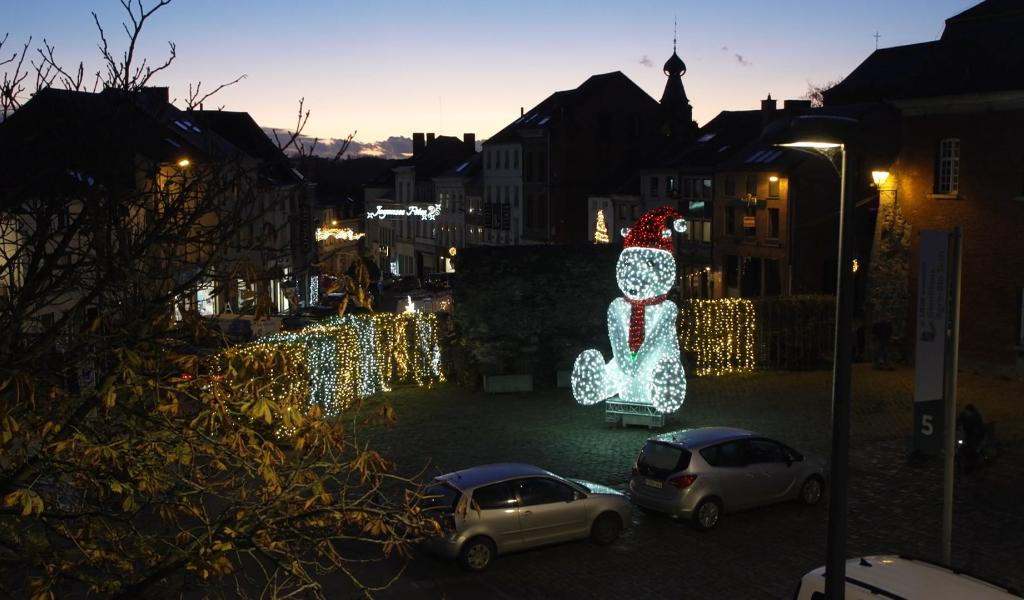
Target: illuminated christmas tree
<point>601,229</point>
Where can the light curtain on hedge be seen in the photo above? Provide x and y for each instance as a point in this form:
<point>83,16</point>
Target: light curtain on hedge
<point>339,360</point>
<point>719,335</point>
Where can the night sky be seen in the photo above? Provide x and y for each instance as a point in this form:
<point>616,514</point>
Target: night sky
<point>388,69</point>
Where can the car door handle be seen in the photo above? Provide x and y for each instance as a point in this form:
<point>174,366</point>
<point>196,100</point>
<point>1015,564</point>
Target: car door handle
<point>527,513</point>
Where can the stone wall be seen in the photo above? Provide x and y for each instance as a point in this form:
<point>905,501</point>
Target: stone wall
<point>530,309</point>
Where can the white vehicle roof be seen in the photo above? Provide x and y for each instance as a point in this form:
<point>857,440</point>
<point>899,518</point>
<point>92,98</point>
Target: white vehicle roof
<point>897,577</point>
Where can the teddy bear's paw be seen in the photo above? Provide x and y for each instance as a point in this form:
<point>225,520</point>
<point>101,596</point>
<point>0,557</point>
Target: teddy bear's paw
<point>588,377</point>
<point>668,386</point>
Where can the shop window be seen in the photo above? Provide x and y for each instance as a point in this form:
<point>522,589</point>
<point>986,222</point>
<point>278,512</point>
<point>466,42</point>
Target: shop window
<point>732,270</point>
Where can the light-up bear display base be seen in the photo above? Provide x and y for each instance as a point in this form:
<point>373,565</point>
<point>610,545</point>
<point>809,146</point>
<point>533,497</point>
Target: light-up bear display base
<point>645,374</point>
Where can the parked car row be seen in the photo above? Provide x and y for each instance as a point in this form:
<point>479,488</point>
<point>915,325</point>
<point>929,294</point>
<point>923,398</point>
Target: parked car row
<point>697,474</point>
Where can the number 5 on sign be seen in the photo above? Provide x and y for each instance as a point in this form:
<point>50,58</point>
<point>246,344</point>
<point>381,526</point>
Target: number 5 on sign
<point>926,425</point>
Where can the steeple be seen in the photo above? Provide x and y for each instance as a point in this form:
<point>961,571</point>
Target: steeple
<point>674,103</point>
<point>674,69</point>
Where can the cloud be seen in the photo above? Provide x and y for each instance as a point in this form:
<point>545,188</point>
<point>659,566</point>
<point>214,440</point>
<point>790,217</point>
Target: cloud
<point>739,57</point>
<point>646,61</point>
<point>393,147</point>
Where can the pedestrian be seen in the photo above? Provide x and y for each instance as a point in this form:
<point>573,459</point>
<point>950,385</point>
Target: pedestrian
<point>971,427</point>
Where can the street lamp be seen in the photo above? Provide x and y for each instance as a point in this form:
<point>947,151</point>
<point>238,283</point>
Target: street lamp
<point>829,132</point>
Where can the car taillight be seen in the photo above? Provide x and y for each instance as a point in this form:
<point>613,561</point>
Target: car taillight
<point>682,481</point>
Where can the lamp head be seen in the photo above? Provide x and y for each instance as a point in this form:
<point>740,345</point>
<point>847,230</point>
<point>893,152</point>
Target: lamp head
<point>811,131</point>
<point>879,177</point>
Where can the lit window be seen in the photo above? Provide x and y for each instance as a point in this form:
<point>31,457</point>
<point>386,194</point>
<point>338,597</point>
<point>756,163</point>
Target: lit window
<point>947,171</point>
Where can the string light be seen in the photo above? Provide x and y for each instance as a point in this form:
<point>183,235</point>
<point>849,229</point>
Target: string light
<point>341,359</point>
<point>324,233</point>
<point>645,366</point>
<point>720,334</point>
<point>601,228</point>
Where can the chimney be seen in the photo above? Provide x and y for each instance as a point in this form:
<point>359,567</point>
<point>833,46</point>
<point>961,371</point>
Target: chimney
<point>469,140</point>
<point>521,112</point>
<point>768,107</point>
<point>157,95</point>
<point>796,106</point>
<point>430,138</point>
<point>417,143</point>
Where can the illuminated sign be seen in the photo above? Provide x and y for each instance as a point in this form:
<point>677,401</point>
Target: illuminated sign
<point>427,213</point>
<point>325,233</point>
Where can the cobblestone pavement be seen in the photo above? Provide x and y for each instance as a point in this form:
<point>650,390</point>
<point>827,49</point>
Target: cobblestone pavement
<point>894,506</point>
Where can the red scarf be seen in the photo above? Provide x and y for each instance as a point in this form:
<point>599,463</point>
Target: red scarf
<point>636,320</point>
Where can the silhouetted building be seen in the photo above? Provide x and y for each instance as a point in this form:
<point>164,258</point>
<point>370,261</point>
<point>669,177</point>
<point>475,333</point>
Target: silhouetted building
<point>540,170</point>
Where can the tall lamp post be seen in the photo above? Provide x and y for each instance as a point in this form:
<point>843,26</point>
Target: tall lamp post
<point>829,132</point>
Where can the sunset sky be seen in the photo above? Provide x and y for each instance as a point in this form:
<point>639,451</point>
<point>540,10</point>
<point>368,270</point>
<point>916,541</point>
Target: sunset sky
<point>391,68</point>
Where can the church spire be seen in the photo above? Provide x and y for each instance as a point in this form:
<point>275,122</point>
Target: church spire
<point>674,69</point>
<point>675,105</point>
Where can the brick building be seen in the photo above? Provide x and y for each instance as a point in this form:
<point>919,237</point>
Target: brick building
<point>961,104</point>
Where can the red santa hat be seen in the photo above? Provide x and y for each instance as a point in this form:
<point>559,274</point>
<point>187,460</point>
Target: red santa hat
<point>652,229</point>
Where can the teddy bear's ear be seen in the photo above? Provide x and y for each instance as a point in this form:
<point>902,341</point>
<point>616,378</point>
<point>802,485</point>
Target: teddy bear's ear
<point>679,225</point>
<point>666,233</point>
<point>624,231</point>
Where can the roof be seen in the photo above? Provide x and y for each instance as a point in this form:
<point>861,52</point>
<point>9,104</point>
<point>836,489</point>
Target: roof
<point>548,113</point>
<point>493,473</point>
<point>904,577</point>
<point>716,141</point>
<point>99,135</point>
<point>702,436</point>
<point>981,50</point>
<point>468,168</point>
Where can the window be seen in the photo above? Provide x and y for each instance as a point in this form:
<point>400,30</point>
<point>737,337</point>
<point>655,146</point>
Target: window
<point>750,221</point>
<point>773,187</point>
<point>705,191</point>
<point>487,159</point>
<point>541,490</point>
<point>730,220</point>
<point>671,187</point>
<point>730,185</point>
<point>496,496</point>
<point>732,270</point>
<point>773,222</point>
<point>654,186</point>
<point>661,460</point>
<point>506,157</point>
<point>947,171</point>
<point>764,451</point>
<point>752,185</point>
<point>729,454</point>
<point>515,158</point>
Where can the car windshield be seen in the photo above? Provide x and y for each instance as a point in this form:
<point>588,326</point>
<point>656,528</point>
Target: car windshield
<point>440,496</point>
<point>659,459</point>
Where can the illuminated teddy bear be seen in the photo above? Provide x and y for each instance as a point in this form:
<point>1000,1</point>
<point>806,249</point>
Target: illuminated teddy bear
<point>645,366</point>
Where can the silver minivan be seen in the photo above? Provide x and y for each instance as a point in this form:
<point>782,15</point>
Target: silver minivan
<point>701,473</point>
<point>493,509</point>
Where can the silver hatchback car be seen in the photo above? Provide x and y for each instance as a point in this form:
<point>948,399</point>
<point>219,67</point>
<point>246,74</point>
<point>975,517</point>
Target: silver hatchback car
<point>701,473</point>
<point>494,509</point>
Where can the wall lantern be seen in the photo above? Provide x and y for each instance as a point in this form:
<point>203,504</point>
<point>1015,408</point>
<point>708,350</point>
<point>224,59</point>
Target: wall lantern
<point>879,177</point>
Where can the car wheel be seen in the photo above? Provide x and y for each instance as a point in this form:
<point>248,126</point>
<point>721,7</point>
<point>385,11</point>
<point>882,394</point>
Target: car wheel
<point>477,554</point>
<point>706,515</point>
<point>811,490</point>
<point>606,529</point>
